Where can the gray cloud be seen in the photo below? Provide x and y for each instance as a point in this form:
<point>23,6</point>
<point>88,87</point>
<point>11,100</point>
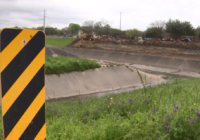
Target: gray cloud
<point>59,13</point>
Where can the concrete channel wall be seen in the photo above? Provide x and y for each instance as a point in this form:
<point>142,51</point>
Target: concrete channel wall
<point>95,81</point>
<point>90,81</point>
<point>54,51</point>
<point>142,59</point>
<point>102,80</point>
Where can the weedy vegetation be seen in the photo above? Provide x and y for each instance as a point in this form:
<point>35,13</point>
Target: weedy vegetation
<point>165,112</point>
<point>168,111</point>
<point>58,65</point>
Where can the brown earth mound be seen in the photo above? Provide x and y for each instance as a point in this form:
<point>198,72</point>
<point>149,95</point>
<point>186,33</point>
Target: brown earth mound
<point>160,48</point>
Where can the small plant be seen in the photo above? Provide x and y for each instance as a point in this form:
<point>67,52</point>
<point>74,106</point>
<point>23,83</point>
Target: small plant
<point>58,65</point>
<point>144,82</point>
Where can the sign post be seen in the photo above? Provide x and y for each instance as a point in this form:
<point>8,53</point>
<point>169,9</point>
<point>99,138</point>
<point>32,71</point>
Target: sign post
<point>22,59</point>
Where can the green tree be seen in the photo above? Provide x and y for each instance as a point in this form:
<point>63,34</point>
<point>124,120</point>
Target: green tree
<point>87,29</point>
<point>48,30</point>
<point>188,29</point>
<point>133,33</point>
<point>115,32</point>
<point>157,28</point>
<point>101,27</point>
<point>88,26</point>
<point>197,33</point>
<point>151,32</point>
<point>39,28</point>
<point>98,28</point>
<point>51,30</point>
<point>106,29</point>
<point>176,28</point>
<point>62,31</point>
<point>73,28</point>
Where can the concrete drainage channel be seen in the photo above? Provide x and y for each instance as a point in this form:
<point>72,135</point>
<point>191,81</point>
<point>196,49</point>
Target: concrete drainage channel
<point>181,64</point>
<point>106,80</point>
<point>97,82</point>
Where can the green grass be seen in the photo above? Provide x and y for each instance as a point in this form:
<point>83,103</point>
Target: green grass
<point>57,65</point>
<point>60,42</point>
<point>143,114</point>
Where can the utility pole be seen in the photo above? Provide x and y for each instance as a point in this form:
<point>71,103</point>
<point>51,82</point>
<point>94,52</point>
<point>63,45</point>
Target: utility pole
<point>120,21</point>
<point>44,22</point>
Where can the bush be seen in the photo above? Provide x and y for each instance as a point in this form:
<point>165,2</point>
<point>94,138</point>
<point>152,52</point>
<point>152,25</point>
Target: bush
<point>58,65</point>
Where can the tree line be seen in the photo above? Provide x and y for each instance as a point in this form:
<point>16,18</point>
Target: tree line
<point>158,29</point>
<point>172,28</point>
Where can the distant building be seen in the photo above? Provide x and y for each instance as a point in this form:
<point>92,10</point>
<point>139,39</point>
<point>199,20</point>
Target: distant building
<point>79,33</point>
<point>138,37</point>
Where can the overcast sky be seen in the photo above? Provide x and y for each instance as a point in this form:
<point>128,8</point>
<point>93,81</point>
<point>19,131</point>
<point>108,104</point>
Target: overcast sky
<point>59,13</point>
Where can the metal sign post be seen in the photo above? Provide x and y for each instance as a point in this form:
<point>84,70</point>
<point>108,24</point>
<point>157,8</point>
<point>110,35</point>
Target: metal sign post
<point>22,59</point>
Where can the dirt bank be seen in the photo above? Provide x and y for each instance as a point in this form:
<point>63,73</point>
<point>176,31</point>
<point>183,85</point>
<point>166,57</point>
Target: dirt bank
<point>171,49</point>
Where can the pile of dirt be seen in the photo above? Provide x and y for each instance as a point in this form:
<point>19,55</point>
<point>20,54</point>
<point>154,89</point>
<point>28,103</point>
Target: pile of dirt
<point>177,44</point>
<point>76,41</point>
<point>160,48</point>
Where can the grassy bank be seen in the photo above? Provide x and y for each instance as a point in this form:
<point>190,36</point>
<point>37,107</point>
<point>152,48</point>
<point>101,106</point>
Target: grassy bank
<point>60,42</point>
<point>57,65</point>
<point>167,112</point>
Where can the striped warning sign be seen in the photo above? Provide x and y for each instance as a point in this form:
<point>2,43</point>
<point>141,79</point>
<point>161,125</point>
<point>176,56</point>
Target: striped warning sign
<point>22,59</point>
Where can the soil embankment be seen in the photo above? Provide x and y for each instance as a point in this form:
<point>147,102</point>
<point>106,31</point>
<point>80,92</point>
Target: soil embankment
<point>160,48</point>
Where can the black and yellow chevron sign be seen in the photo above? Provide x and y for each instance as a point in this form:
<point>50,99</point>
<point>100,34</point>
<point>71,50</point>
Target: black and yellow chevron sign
<point>22,59</point>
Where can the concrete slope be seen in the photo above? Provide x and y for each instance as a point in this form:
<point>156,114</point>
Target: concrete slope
<point>55,51</point>
<point>142,59</point>
<point>92,81</point>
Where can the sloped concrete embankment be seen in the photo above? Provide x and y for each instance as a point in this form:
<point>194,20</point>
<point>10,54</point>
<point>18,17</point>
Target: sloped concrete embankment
<point>149,60</point>
<point>52,51</point>
<point>95,81</point>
